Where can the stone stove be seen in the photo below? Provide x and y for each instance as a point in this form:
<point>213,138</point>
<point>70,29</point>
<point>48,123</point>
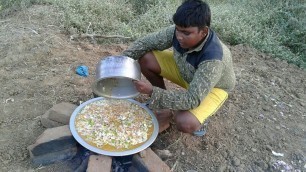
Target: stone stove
<point>93,162</point>
<point>56,144</point>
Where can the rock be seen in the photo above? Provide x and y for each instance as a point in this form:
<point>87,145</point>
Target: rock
<point>244,157</point>
<point>11,152</point>
<point>61,112</point>
<point>269,148</point>
<point>163,154</point>
<point>53,145</point>
<point>83,166</point>
<point>230,154</point>
<point>236,161</point>
<point>262,164</point>
<point>266,108</point>
<point>253,131</point>
<point>221,168</point>
<point>239,129</point>
<point>151,162</point>
<point>230,169</point>
<point>224,154</point>
<point>218,145</point>
<point>143,153</point>
<point>48,123</point>
<point>249,119</point>
<point>53,157</point>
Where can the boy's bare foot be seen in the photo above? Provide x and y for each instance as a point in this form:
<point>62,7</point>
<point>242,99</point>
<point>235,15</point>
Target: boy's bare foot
<point>163,117</point>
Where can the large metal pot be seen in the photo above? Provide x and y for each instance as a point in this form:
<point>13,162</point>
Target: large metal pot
<point>112,153</point>
<point>114,77</point>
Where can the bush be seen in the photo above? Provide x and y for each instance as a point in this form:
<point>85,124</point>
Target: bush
<point>276,27</point>
<point>115,17</point>
<point>9,6</point>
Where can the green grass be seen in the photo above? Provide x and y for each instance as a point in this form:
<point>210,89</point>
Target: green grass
<point>276,27</point>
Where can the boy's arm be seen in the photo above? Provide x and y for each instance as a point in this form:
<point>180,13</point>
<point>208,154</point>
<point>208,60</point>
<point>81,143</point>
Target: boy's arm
<point>155,41</point>
<point>205,78</point>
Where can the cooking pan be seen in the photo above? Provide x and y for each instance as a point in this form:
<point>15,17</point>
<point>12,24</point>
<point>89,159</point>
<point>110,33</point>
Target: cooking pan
<point>143,146</point>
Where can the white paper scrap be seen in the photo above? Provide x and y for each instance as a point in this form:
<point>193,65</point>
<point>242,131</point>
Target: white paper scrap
<point>277,154</point>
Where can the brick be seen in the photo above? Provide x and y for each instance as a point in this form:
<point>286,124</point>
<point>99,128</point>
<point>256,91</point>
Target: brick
<point>61,112</point>
<point>133,169</point>
<point>54,144</point>
<point>53,157</point>
<point>150,162</point>
<point>59,144</point>
<point>163,154</point>
<point>138,164</point>
<point>99,163</point>
<point>83,166</point>
<point>48,123</point>
<point>53,133</point>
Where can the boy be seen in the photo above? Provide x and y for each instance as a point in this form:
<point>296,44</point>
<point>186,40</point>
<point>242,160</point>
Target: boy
<point>199,62</point>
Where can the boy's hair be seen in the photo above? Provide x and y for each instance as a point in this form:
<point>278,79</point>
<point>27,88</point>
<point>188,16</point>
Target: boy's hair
<point>192,13</point>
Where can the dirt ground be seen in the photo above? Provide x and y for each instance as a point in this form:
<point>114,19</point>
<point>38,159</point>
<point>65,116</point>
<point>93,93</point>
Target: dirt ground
<point>261,127</point>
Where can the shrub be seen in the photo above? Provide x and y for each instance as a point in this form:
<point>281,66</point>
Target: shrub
<point>276,27</point>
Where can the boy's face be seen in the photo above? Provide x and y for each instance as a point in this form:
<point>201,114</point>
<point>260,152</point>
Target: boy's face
<point>190,37</point>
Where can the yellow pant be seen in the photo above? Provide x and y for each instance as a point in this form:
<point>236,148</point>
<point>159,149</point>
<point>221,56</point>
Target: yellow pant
<point>169,70</point>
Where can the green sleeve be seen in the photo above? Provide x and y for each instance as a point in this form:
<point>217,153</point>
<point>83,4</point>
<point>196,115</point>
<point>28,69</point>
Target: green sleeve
<point>155,41</point>
<point>205,78</point>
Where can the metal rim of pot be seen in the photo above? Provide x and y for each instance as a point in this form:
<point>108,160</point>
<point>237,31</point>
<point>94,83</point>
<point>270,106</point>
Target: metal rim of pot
<point>116,94</point>
<point>79,139</point>
<point>114,77</point>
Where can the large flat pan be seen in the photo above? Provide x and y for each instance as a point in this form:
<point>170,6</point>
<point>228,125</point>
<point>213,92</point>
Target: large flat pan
<point>112,153</point>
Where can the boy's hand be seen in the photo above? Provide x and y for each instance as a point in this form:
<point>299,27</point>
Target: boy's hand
<point>143,87</point>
